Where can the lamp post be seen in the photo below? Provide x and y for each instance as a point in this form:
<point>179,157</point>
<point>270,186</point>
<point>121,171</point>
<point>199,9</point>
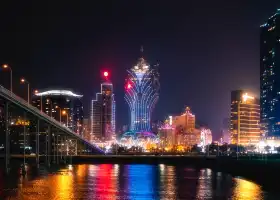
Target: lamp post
<point>59,113</point>
<point>25,81</point>
<point>41,103</point>
<point>65,113</point>
<point>5,66</point>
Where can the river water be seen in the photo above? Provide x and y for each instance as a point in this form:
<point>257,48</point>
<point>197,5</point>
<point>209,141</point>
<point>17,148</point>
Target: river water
<point>134,181</point>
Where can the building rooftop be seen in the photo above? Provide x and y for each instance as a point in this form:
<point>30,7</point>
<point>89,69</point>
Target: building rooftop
<point>58,92</point>
<point>277,13</point>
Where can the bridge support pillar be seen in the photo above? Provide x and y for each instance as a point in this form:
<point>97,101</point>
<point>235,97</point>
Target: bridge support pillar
<point>38,144</point>
<point>65,147</point>
<point>24,139</point>
<point>46,147</point>
<point>54,149</point>
<point>57,149</point>
<point>49,147</point>
<point>7,138</point>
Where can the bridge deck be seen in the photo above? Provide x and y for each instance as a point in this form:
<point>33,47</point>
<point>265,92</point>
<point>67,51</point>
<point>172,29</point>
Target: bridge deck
<point>11,97</point>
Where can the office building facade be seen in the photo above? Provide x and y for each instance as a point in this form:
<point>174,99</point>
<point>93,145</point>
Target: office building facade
<point>270,75</point>
<point>244,119</point>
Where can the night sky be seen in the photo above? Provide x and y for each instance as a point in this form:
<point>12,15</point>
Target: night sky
<point>205,49</point>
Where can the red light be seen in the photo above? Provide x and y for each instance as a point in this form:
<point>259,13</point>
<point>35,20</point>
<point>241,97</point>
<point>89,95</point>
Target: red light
<point>106,74</point>
<point>129,86</point>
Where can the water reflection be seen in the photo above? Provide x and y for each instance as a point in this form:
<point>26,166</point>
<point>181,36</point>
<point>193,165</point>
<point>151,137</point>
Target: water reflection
<point>141,182</point>
<point>246,190</point>
<point>106,182</point>
<point>204,187</point>
<point>62,185</point>
<point>113,181</point>
<point>167,182</point>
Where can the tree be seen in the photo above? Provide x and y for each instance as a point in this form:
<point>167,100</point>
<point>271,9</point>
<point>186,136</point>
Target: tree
<point>267,148</point>
<point>278,149</point>
<point>224,148</point>
<point>251,148</point>
<point>196,148</point>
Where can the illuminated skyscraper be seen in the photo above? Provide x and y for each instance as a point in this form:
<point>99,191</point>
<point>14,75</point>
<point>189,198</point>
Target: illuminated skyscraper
<point>63,105</point>
<point>103,113</point>
<point>244,119</point>
<point>270,75</point>
<point>142,93</point>
<point>185,128</point>
<point>186,121</point>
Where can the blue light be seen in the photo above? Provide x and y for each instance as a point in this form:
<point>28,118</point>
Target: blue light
<point>264,25</point>
<point>142,183</point>
<point>141,96</point>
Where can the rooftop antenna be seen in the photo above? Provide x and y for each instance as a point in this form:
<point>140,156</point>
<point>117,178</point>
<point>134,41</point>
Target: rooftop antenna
<point>141,50</point>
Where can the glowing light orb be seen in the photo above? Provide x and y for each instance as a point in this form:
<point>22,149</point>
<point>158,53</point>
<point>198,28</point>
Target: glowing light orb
<point>106,74</point>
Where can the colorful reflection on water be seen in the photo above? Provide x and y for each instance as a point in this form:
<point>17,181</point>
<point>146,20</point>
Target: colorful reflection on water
<point>114,181</point>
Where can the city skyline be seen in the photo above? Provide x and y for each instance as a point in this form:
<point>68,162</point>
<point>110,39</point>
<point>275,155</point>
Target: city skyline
<point>234,68</point>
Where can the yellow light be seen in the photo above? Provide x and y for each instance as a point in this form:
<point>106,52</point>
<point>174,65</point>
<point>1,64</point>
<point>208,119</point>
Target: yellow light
<point>64,112</point>
<point>56,107</point>
<point>170,120</point>
<point>246,96</point>
<point>22,80</point>
<point>246,190</point>
<point>5,66</point>
<point>36,91</point>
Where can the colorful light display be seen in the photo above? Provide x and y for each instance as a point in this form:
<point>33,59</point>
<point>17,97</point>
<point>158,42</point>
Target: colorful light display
<point>142,93</point>
<point>144,139</point>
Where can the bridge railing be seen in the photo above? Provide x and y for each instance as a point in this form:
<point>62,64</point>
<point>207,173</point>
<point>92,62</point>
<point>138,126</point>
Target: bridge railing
<point>23,103</point>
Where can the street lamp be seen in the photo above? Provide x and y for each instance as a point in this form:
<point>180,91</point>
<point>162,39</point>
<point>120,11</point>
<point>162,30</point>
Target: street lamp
<point>41,103</point>
<point>25,81</point>
<point>5,66</point>
<point>65,113</point>
<point>59,113</point>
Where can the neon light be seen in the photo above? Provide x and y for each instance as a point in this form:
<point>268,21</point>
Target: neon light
<point>58,92</point>
<point>141,96</point>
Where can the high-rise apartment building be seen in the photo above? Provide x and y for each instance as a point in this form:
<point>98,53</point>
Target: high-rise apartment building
<point>63,105</point>
<point>103,125</point>
<point>244,119</point>
<point>270,75</point>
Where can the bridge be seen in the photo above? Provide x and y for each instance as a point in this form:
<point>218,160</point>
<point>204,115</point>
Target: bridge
<point>48,139</point>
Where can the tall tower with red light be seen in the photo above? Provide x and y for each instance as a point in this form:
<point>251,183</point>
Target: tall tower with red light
<point>103,109</point>
<point>141,94</point>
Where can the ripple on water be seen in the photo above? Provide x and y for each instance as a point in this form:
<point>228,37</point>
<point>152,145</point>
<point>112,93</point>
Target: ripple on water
<point>113,181</point>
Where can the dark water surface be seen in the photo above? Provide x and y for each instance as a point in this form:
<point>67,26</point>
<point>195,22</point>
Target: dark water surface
<point>134,181</point>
